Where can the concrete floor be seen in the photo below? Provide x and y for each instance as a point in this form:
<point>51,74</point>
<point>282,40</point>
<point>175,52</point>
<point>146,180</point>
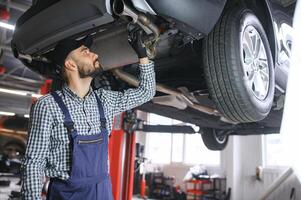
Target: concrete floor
<point>137,198</point>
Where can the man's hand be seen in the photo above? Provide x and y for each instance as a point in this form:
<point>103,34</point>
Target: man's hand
<point>135,40</point>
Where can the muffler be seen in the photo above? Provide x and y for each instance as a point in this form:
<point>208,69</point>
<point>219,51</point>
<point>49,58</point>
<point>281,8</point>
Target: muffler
<point>113,48</point>
<point>130,79</point>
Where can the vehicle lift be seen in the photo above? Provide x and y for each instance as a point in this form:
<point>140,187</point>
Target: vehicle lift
<point>122,144</point>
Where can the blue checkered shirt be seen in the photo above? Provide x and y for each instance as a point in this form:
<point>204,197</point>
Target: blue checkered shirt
<point>48,152</point>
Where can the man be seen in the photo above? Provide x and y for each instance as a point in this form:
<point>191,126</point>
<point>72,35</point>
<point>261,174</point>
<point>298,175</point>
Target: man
<point>68,131</point>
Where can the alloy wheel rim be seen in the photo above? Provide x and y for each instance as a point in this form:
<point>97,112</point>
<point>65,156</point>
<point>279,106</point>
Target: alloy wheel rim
<point>255,62</point>
<point>220,136</point>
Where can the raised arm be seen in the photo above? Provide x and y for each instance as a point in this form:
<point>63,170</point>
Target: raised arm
<point>121,101</point>
<point>117,102</point>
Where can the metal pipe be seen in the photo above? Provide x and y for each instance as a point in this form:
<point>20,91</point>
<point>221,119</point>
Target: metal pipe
<point>27,57</point>
<point>132,80</point>
<point>277,183</point>
<point>20,135</point>
<point>9,73</point>
<point>121,9</point>
<point>144,20</point>
<point>21,56</point>
<point>19,86</point>
<point>28,80</point>
<point>18,6</point>
<point>5,48</point>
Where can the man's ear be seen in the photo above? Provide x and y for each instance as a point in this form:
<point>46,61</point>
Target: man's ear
<point>70,64</point>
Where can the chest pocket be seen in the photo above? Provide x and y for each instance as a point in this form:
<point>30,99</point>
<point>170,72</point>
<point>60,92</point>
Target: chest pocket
<point>95,141</point>
<point>59,131</point>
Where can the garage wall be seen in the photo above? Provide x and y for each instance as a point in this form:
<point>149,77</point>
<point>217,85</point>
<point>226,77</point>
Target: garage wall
<point>285,191</point>
<point>239,161</point>
<point>231,166</point>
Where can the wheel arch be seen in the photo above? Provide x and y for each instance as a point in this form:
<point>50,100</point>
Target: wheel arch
<point>262,11</point>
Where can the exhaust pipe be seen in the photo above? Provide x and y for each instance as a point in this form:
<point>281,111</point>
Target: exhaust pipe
<point>165,89</point>
<point>122,10</point>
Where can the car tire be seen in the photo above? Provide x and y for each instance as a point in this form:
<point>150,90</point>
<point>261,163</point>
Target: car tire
<point>215,139</point>
<point>240,77</point>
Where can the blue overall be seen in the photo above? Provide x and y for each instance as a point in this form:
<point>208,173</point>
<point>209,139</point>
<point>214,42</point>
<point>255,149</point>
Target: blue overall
<point>89,177</point>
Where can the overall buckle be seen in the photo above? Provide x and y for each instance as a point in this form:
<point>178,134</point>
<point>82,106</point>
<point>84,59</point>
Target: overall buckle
<point>69,126</point>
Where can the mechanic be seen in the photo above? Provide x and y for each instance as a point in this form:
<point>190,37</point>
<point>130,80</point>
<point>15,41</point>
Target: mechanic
<point>68,129</point>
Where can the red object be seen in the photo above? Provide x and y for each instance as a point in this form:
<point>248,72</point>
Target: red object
<point>2,70</point>
<point>4,14</point>
<point>128,180</point>
<point>122,156</point>
<point>142,187</point>
<point>44,89</point>
<point>115,154</point>
<point>195,188</point>
<point>2,120</point>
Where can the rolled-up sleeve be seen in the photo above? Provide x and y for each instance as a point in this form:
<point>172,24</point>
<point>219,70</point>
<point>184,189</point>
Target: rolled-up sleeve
<point>34,161</point>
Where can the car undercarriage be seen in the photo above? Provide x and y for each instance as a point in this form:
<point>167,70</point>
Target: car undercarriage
<point>225,74</point>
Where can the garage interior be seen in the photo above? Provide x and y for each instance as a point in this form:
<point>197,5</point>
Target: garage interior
<point>153,153</point>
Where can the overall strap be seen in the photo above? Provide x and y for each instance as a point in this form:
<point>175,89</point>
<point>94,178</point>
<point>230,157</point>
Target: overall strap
<point>68,120</point>
<point>101,112</point>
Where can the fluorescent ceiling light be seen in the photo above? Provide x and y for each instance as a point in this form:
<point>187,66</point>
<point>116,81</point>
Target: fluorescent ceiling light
<point>20,92</point>
<point>36,95</point>
<point>7,113</point>
<point>26,116</point>
<point>7,26</point>
<point>17,92</point>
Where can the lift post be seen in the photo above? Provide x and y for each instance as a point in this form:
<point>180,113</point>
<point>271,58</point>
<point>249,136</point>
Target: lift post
<point>122,150</point>
<point>122,155</point>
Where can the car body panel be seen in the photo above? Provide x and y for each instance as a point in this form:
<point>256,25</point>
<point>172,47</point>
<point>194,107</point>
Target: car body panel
<point>190,17</point>
<point>283,31</point>
<point>143,6</point>
<point>200,15</point>
<point>52,24</point>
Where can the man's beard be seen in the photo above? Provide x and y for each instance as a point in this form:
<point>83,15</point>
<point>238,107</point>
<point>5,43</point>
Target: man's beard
<point>94,72</point>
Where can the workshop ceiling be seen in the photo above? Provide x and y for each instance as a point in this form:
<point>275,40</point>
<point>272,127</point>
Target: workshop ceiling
<point>13,74</point>
<point>16,75</point>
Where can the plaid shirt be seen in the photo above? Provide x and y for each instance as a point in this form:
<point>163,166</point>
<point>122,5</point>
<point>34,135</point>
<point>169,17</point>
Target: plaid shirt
<point>48,152</point>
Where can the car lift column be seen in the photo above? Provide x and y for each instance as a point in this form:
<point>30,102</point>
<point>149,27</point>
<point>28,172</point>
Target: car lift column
<point>122,150</point>
<point>128,179</point>
<point>122,156</point>
<point>116,143</point>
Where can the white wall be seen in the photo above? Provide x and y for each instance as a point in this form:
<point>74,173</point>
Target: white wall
<point>284,191</point>
<point>239,161</point>
<point>140,136</point>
